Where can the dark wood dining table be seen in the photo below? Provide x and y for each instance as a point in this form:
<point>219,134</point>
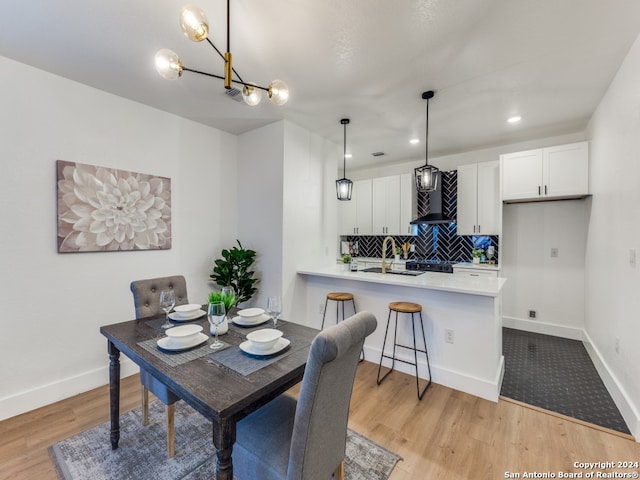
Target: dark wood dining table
<point>220,393</point>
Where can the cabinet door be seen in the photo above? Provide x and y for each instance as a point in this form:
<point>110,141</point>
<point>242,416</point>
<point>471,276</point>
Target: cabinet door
<point>566,170</point>
<point>521,175</point>
<point>348,218</point>
<point>363,206</point>
<point>386,205</point>
<point>489,206</point>
<point>407,205</point>
<point>467,216</point>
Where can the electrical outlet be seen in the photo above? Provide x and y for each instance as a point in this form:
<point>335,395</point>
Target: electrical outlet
<point>632,258</point>
<point>448,335</point>
<point>532,314</point>
<point>617,344</point>
<point>554,252</point>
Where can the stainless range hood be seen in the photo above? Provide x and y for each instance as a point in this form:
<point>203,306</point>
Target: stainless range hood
<point>435,215</point>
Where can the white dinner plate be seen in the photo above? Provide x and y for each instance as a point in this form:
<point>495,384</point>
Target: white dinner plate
<point>259,320</point>
<point>281,344</point>
<point>165,343</point>
<point>181,317</point>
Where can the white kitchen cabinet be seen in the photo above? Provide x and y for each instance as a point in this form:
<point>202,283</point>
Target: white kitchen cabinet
<point>479,199</point>
<point>474,272</point>
<point>546,174</point>
<point>355,214</point>
<point>386,205</point>
<point>407,205</point>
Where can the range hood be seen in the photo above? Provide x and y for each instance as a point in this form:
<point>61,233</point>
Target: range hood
<point>435,215</point>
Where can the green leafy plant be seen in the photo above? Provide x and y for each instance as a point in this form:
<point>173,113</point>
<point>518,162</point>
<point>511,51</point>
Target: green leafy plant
<point>228,299</point>
<point>234,269</point>
<point>346,258</point>
<point>397,251</point>
<point>477,252</point>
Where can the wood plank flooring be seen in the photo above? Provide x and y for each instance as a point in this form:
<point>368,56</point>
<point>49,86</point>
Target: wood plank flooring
<point>447,435</point>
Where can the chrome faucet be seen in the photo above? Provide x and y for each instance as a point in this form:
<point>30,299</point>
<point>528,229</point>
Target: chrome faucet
<point>386,265</point>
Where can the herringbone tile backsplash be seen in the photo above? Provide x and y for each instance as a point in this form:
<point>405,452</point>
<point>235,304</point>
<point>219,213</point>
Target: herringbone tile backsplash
<point>433,242</point>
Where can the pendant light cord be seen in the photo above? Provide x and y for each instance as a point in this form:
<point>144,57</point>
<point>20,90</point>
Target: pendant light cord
<point>426,137</point>
<point>344,153</point>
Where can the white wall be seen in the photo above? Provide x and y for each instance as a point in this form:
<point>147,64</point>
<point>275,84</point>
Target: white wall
<point>612,284</point>
<point>53,304</point>
<point>287,210</point>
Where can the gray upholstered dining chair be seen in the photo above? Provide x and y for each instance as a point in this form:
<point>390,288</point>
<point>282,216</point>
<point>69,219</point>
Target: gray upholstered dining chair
<point>306,440</point>
<point>146,298</point>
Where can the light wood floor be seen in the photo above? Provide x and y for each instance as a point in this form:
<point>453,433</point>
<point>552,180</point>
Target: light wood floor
<point>447,435</point>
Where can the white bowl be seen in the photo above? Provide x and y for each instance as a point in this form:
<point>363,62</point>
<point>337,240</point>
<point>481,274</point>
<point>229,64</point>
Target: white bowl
<point>250,314</point>
<point>264,339</point>
<point>183,335</point>
<point>189,308</point>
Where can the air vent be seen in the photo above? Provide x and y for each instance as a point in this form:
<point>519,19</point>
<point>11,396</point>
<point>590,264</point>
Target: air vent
<point>234,94</point>
<point>377,154</point>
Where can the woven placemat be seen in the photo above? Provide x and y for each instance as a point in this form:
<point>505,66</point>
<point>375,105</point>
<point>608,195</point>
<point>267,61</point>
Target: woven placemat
<point>176,358</point>
<point>246,364</point>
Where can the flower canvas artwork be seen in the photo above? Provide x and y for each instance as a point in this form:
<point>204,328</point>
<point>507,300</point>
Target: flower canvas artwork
<point>104,209</point>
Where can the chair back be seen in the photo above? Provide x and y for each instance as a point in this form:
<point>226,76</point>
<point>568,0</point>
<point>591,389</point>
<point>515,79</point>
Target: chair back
<point>146,294</point>
<point>320,427</point>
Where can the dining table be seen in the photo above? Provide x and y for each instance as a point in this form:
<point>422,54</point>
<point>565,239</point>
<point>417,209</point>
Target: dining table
<point>224,385</point>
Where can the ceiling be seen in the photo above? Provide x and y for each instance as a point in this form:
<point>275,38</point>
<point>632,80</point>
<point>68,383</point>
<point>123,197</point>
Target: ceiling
<point>549,61</point>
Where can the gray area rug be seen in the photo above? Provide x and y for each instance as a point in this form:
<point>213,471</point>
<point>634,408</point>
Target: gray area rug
<point>142,451</point>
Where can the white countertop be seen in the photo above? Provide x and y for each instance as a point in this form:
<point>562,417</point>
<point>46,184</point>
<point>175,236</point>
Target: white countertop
<point>445,282</point>
<point>478,266</point>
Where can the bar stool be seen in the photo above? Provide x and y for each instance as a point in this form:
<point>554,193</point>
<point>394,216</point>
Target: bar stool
<point>340,298</point>
<point>412,308</point>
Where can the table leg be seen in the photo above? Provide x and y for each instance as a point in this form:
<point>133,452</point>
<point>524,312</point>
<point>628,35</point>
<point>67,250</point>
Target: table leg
<point>224,436</point>
<point>114,393</point>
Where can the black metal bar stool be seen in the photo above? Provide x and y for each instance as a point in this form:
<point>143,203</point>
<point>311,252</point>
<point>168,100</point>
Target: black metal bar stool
<point>340,298</point>
<point>412,308</point>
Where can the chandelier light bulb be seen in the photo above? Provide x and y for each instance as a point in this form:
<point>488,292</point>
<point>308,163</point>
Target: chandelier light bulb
<point>193,23</point>
<point>251,95</point>
<point>168,64</point>
<point>278,92</point>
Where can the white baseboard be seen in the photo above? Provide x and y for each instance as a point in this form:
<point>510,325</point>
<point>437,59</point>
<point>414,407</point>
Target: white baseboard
<point>68,387</point>
<point>627,409</point>
<point>489,390</point>
<point>545,328</point>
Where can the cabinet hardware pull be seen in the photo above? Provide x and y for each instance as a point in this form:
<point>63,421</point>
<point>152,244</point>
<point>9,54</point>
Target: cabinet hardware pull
<point>545,189</point>
<point>538,189</point>
<point>474,274</point>
<point>479,229</point>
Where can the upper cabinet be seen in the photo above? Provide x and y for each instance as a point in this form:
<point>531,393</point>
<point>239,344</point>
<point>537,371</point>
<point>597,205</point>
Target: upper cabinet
<point>479,199</point>
<point>356,213</point>
<point>546,174</point>
<point>380,206</point>
<point>386,205</point>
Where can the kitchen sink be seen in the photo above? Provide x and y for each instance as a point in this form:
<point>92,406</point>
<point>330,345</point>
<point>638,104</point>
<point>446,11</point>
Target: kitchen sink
<point>411,273</point>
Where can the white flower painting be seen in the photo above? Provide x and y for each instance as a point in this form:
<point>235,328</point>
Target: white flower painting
<point>102,209</point>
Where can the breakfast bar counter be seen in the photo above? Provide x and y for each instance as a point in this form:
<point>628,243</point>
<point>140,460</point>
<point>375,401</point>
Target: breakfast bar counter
<point>462,318</point>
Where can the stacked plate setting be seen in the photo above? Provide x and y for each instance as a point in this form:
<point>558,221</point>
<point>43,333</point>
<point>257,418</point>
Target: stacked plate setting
<point>250,317</point>
<point>185,313</point>
<point>182,337</point>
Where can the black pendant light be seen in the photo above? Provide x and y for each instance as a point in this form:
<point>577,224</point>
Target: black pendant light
<point>427,175</point>
<point>344,185</point>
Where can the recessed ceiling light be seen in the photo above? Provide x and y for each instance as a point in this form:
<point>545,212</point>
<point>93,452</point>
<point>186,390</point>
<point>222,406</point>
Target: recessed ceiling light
<point>413,141</point>
<point>515,119</point>
<point>347,155</point>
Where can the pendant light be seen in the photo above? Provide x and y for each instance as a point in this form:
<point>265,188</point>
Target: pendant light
<point>427,175</point>
<point>344,185</point>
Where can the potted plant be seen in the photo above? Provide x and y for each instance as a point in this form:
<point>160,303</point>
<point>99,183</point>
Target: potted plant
<point>396,253</point>
<point>346,261</point>
<point>234,269</point>
<point>476,253</point>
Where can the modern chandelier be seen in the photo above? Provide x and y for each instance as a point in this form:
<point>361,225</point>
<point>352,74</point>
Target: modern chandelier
<point>427,175</point>
<point>344,186</point>
<point>195,26</point>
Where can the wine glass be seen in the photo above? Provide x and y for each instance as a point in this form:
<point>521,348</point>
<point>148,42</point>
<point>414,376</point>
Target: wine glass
<point>274,308</point>
<point>167,302</point>
<point>229,297</point>
<point>215,314</point>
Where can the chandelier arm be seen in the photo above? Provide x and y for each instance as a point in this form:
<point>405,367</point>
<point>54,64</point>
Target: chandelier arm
<point>186,69</point>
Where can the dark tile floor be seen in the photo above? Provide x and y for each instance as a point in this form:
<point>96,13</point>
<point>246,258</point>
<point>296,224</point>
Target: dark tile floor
<point>556,374</point>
